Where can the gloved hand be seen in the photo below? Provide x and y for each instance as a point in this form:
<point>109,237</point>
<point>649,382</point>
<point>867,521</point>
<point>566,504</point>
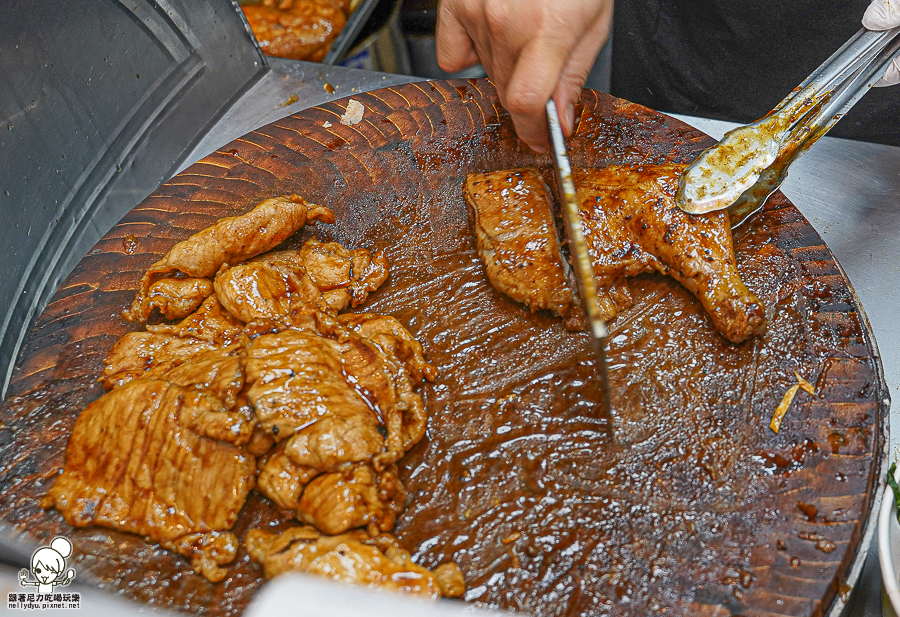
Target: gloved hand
<point>531,49</point>
<point>884,15</point>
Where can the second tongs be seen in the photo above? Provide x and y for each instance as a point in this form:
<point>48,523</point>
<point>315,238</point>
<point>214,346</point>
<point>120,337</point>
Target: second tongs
<point>751,161</point>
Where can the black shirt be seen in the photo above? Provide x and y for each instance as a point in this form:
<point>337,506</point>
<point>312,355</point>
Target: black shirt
<point>736,59</point>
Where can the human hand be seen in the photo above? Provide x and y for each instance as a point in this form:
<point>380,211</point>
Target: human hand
<point>884,15</point>
<point>531,50</point>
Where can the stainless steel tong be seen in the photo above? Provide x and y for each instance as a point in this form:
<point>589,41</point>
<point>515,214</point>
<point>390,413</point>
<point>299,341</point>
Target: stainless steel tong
<point>751,161</point>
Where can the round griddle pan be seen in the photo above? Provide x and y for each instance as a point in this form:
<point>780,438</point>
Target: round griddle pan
<point>697,508</point>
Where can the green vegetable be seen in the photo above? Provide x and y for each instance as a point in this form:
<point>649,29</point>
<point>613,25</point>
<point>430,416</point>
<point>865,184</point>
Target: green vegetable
<point>895,488</point>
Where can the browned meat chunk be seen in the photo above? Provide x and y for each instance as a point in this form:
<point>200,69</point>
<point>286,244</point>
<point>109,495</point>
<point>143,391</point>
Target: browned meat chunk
<point>208,552</point>
<point>297,380</point>
<point>316,277</point>
<point>147,354</point>
<point>295,29</point>
<point>282,480</point>
<point>355,497</point>
<point>136,462</point>
<point>634,225</point>
<point>267,289</point>
<point>385,383</point>
<point>631,226</point>
<point>345,278</point>
<point>390,335</point>
<point>342,435</point>
<point>516,239</point>
<point>218,373</point>
<point>353,557</point>
<point>230,241</point>
<point>176,298</point>
<point>209,323</point>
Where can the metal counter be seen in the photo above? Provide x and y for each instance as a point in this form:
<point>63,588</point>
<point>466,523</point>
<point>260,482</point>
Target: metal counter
<point>848,190</point>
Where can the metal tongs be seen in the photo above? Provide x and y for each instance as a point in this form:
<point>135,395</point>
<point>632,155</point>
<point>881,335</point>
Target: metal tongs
<point>750,162</point>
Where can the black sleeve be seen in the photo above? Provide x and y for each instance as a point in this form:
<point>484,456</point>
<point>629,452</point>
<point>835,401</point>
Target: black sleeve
<point>736,59</point>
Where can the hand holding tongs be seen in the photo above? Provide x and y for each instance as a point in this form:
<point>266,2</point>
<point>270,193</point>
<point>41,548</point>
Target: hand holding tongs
<point>751,161</point>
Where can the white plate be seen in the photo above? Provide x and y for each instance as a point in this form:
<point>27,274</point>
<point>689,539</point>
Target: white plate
<point>889,551</point>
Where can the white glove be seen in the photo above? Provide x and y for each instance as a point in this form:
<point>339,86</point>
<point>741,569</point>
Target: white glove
<point>884,15</point>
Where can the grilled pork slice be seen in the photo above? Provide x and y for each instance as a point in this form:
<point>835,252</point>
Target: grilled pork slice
<point>631,226</point>
<point>355,557</point>
<point>150,458</point>
<point>357,496</point>
<point>516,239</point>
<point>229,241</point>
<point>318,276</point>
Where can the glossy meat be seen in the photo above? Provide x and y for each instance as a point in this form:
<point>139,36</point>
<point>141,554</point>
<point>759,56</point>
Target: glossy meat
<point>177,298</point>
<point>316,277</point>
<point>353,557</point>
<point>147,354</point>
<point>281,479</point>
<point>354,497</point>
<point>395,340</point>
<point>263,366</point>
<point>210,323</point>
<point>267,289</point>
<point>345,278</point>
<point>299,392</point>
<point>231,240</point>
<point>137,461</point>
<point>632,226</point>
<point>385,382</point>
<point>296,29</point>
<point>516,238</point>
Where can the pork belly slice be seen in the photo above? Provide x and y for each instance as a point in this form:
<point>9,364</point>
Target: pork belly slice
<point>355,557</point>
<point>230,241</point>
<point>632,225</point>
<point>150,458</point>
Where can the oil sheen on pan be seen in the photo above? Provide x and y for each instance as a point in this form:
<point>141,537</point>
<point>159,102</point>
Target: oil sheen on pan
<point>697,508</point>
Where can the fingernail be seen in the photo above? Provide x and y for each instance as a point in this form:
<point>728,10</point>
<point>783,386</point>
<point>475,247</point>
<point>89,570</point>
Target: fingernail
<point>570,118</point>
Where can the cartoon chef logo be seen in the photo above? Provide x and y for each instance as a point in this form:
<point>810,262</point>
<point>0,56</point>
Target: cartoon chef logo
<point>48,565</point>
